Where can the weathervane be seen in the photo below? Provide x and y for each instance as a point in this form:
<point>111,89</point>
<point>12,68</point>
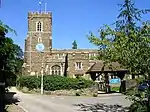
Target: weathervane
<point>40,6</point>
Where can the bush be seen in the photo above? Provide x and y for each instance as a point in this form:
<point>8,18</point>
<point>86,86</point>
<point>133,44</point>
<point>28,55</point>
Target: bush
<point>10,79</point>
<point>138,98</point>
<point>30,82</point>
<point>54,82</point>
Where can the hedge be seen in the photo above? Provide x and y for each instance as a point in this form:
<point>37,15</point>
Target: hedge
<point>54,82</point>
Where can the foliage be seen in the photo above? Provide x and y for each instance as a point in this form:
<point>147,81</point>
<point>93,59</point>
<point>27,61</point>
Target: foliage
<point>74,45</point>
<point>10,53</point>
<point>10,79</point>
<point>4,29</point>
<point>139,99</point>
<point>128,43</point>
<point>116,89</point>
<point>140,79</point>
<point>54,82</point>
<point>8,59</point>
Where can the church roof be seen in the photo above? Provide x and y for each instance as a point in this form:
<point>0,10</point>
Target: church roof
<point>100,66</point>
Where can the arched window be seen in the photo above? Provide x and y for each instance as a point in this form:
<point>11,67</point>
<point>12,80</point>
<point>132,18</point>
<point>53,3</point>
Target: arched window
<point>56,70</point>
<point>39,40</point>
<point>39,26</point>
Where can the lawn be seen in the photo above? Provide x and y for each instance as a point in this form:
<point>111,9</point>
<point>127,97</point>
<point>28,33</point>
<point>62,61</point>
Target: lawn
<point>116,89</point>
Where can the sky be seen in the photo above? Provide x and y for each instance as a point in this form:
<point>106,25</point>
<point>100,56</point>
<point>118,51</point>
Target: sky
<point>71,19</point>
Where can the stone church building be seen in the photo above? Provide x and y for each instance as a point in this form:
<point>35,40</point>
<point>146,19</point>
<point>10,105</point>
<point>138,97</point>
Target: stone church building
<point>53,61</point>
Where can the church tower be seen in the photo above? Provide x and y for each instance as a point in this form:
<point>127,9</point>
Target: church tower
<point>39,31</point>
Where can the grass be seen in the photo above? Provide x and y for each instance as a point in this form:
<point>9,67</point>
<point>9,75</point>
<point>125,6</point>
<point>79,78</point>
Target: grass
<point>115,89</point>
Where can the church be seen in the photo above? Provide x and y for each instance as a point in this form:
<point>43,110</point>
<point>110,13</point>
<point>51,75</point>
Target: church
<point>70,62</point>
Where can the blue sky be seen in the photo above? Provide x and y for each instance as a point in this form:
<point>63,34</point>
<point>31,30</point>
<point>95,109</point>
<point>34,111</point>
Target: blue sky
<point>72,19</point>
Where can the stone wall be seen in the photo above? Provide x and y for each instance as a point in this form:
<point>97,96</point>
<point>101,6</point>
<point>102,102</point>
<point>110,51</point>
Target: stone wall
<point>50,56</point>
<point>58,58</point>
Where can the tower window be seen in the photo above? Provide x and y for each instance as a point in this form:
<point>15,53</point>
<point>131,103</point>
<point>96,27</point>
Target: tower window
<point>39,26</point>
<point>39,40</point>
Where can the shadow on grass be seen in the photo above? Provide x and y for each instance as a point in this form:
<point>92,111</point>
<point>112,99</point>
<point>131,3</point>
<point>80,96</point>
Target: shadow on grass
<point>101,107</point>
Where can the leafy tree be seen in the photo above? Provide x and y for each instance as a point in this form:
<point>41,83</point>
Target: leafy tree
<point>74,45</point>
<point>128,43</point>
<point>4,29</point>
<point>10,53</point>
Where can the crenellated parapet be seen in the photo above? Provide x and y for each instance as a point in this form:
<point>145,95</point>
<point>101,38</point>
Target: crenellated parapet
<point>39,14</point>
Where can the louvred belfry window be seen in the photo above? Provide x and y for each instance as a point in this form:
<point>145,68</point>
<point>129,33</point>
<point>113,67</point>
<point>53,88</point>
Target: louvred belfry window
<point>39,26</point>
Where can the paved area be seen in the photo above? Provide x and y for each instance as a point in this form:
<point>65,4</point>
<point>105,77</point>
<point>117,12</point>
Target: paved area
<point>45,103</point>
<point>13,108</point>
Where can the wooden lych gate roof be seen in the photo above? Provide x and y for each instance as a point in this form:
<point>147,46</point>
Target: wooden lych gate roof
<point>100,66</point>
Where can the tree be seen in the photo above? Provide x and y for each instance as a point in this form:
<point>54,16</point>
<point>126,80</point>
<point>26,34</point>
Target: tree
<point>4,29</point>
<point>74,45</point>
<point>9,55</point>
<point>128,43</point>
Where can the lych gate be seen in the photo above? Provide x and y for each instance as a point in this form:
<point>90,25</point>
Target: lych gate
<point>105,69</point>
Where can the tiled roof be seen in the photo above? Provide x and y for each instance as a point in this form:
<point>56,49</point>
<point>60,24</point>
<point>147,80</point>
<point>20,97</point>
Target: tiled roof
<point>109,67</point>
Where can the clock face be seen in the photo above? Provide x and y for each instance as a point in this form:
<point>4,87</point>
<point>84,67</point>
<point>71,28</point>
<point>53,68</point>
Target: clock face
<point>40,47</point>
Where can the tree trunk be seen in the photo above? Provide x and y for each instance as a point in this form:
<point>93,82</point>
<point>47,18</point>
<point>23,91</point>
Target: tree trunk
<point>2,99</point>
<point>2,92</point>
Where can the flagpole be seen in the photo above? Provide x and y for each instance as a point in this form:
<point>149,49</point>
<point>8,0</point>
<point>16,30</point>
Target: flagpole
<point>45,7</point>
